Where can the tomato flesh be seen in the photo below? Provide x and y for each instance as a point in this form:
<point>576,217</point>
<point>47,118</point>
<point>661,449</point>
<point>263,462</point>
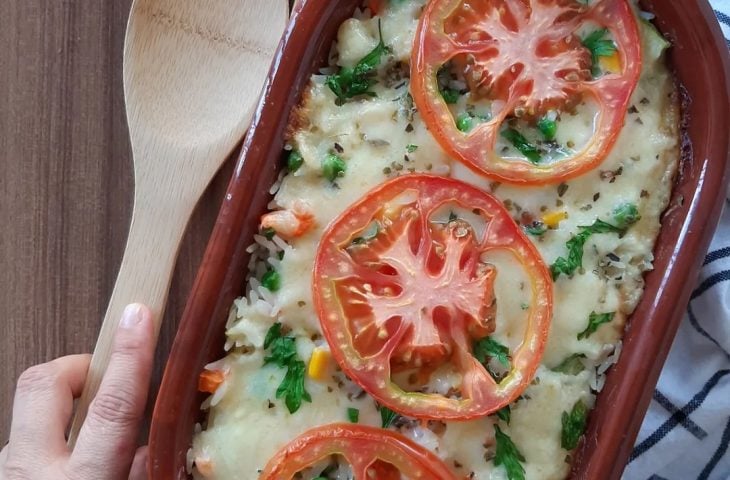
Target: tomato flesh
<point>372,453</point>
<point>417,294</point>
<point>526,57</point>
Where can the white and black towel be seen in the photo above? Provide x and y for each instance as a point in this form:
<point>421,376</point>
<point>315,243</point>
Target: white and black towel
<point>686,432</point>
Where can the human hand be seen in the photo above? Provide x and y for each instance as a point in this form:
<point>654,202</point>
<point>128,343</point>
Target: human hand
<point>106,448</point>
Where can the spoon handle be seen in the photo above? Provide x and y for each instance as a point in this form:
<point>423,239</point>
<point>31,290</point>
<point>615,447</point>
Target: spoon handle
<point>154,238</point>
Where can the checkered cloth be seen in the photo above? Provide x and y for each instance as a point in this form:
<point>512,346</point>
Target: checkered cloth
<point>686,432</point>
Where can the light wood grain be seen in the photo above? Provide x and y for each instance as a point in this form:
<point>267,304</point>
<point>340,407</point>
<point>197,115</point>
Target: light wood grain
<point>192,73</point>
<point>66,186</point>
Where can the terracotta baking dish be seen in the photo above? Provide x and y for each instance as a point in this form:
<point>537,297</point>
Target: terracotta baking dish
<point>699,58</point>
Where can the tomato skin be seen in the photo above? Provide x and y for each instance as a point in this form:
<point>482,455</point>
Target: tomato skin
<point>376,6</point>
<point>372,371</point>
<point>476,149</point>
<point>362,446</point>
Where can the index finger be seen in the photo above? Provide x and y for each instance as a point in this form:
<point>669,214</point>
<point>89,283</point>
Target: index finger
<point>108,439</point>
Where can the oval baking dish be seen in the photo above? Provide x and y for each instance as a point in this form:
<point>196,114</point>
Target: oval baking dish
<point>700,61</point>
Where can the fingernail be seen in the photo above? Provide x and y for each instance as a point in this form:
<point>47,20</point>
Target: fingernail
<point>132,316</point>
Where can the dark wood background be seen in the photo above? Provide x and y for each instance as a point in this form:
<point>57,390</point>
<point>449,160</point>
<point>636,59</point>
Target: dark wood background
<point>66,185</point>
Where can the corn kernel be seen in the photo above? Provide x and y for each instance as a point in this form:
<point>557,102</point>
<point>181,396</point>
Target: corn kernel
<point>552,219</point>
<point>318,363</point>
<point>610,64</point>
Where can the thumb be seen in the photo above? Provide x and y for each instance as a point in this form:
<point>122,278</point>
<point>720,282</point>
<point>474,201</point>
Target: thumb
<point>108,439</point>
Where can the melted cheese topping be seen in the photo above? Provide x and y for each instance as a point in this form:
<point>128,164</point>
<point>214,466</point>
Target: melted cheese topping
<point>248,424</point>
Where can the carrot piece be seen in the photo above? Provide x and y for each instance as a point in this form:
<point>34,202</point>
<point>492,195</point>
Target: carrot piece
<point>210,380</point>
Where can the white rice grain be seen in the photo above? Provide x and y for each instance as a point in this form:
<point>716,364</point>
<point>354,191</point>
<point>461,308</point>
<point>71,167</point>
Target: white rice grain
<point>189,461</point>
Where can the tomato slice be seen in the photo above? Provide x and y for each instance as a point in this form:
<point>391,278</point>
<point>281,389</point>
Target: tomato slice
<point>395,288</point>
<point>372,453</point>
<point>525,57</point>
<point>376,6</point>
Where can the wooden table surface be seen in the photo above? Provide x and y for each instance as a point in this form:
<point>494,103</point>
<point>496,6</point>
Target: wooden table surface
<point>66,185</point>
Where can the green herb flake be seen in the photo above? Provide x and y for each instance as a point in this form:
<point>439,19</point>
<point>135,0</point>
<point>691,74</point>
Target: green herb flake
<point>626,215</point>
<point>271,280</point>
<point>282,349</point>
<point>536,229</point>
<point>595,320</point>
<point>508,455</point>
<point>282,352</point>
<point>487,348</point>
<point>450,95</point>
<point>410,148</point>
<point>599,46</point>
<point>519,141</point>
<point>574,424</point>
<point>568,265</point>
<point>353,415</point>
<point>268,233</point>
<point>504,414</point>
<point>292,387</point>
<point>387,416</point>
<point>464,122</point>
<point>294,161</point>
<point>333,167</point>
<point>272,334</point>
<point>353,82</point>
<point>548,128</point>
<point>572,365</point>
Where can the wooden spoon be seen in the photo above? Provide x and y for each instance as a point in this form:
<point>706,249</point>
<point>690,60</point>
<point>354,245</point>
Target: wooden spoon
<point>193,71</point>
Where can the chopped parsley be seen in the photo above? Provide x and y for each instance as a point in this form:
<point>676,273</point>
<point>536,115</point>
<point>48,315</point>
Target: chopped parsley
<point>353,82</point>
<point>282,352</point>
<point>282,349</point>
<point>624,216</point>
<point>547,127</point>
<point>536,229</point>
<point>387,416</point>
<point>294,161</point>
<point>599,46</point>
<point>595,320</point>
<point>450,95</point>
<point>508,455</point>
<point>271,280</point>
<point>268,233</point>
<point>292,387</point>
<point>504,414</point>
<point>519,141</point>
<point>487,348</point>
<point>333,167</point>
<point>410,148</point>
<point>574,424</point>
<point>353,415</point>
<point>572,365</point>
<point>443,76</point>
<point>465,121</point>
